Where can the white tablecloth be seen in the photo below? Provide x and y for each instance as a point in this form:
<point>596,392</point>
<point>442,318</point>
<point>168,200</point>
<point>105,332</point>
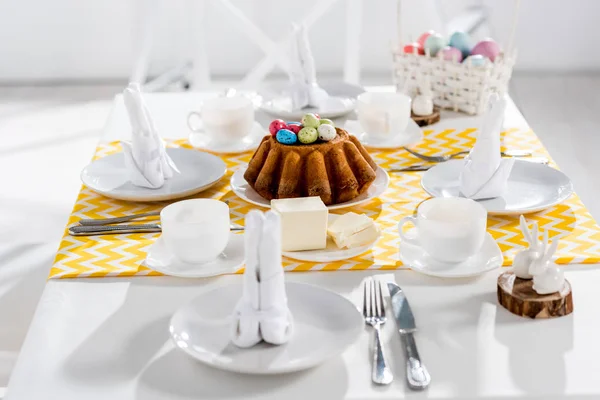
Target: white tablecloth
<point>108,338</point>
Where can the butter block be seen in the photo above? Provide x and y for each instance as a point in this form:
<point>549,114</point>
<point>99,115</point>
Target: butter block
<point>366,236</point>
<point>303,223</point>
<point>353,230</point>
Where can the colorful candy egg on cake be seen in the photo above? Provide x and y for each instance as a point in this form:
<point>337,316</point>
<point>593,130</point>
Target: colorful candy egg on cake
<point>294,127</point>
<point>326,132</point>
<point>310,121</point>
<point>276,125</point>
<point>285,136</point>
<point>308,135</point>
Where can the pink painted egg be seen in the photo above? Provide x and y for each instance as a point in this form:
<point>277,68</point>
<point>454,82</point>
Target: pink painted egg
<point>276,125</point>
<point>452,54</point>
<point>421,40</point>
<point>414,48</point>
<point>294,128</point>
<point>487,48</point>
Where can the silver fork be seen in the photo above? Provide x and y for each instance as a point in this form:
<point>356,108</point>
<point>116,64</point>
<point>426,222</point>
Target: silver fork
<point>425,167</point>
<point>374,314</point>
<point>437,159</point>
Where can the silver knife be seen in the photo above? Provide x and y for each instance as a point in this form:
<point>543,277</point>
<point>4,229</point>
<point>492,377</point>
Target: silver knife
<point>416,374</point>
<point>91,230</point>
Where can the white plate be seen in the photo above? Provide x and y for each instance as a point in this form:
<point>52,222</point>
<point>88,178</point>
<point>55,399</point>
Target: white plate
<point>241,188</point>
<point>203,141</point>
<point>531,187</point>
<point>160,259</point>
<point>411,136</point>
<point>331,253</point>
<point>333,107</point>
<point>325,323</point>
<point>489,258</point>
<point>198,171</point>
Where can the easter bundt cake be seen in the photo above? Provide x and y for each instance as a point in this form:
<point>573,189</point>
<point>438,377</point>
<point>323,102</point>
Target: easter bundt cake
<point>337,170</point>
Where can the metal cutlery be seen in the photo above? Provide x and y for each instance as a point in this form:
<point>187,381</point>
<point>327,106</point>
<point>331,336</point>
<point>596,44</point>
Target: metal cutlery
<point>416,374</point>
<point>437,159</point>
<point>91,230</point>
<point>117,220</point>
<point>425,167</point>
<point>374,314</point>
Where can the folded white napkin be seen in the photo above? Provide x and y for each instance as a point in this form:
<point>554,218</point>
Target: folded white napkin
<point>305,92</point>
<point>485,172</point>
<point>146,158</point>
<point>262,312</point>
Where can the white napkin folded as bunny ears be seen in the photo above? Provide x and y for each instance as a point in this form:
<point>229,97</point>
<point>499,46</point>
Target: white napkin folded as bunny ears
<point>146,158</point>
<point>305,92</point>
<point>262,312</point>
<point>485,173</point>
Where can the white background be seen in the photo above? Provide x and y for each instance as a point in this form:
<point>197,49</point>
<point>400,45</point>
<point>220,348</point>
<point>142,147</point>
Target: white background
<point>79,40</point>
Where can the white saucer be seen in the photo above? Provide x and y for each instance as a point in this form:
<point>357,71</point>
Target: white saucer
<point>241,188</point>
<point>231,259</point>
<point>489,258</point>
<point>203,141</point>
<point>325,324</point>
<point>411,136</point>
<point>198,171</point>
<point>531,187</point>
<point>333,107</point>
<point>331,253</point>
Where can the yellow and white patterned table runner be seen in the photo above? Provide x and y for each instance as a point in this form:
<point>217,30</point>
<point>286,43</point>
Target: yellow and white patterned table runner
<point>123,255</point>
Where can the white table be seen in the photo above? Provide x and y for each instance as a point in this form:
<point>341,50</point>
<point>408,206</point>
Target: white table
<point>108,339</point>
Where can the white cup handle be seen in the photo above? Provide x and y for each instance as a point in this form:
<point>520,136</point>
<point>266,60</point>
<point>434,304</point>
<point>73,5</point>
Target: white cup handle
<point>413,239</point>
<point>197,128</point>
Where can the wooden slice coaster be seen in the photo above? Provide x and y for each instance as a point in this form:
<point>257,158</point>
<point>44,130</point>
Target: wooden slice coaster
<point>518,297</point>
<point>424,120</point>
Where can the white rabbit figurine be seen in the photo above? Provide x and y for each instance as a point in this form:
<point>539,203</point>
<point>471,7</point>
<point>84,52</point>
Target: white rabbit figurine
<point>524,258</point>
<point>547,277</point>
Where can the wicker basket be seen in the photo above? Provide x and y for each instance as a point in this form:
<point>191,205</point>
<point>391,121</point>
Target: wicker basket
<point>454,85</point>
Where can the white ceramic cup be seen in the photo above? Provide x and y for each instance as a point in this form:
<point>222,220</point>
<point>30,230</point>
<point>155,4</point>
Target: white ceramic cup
<point>195,231</point>
<point>224,119</point>
<point>383,115</point>
<point>448,229</point>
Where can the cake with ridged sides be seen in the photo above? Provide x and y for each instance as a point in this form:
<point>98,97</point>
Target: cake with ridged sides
<point>338,170</point>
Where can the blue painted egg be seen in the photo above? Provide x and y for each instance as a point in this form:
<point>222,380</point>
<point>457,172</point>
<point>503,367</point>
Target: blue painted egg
<point>285,136</point>
<point>461,41</point>
<point>477,60</point>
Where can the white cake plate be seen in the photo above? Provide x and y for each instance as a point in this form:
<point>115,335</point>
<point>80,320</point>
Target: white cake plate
<point>241,188</point>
